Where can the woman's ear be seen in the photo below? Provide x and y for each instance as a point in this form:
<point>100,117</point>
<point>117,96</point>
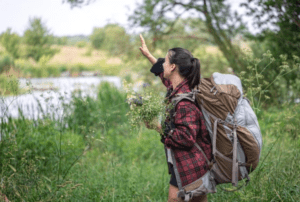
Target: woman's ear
<point>173,67</point>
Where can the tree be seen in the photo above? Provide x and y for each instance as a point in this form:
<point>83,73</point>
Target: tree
<point>116,39</point>
<point>284,15</point>
<point>97,37</point>
<point>217,17</point>
<point>112,38</point>
<point>286,12</point>
<point>11,42</point>
<point>37,40</point>
<point>186,34</point>
<point>77,3</point>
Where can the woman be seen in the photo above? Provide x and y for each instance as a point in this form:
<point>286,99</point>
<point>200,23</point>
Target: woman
<point>180,73</point>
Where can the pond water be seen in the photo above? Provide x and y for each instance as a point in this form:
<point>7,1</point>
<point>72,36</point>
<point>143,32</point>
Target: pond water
<point>65,86</point>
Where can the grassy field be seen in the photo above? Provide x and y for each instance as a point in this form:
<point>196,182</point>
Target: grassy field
<point>72,55</point>
<point>100,158</point>
<point>77,59</point>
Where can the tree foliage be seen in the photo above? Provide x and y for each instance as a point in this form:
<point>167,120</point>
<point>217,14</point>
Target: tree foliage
<point>285,40</point>
<point>186,34</point>
<point>285,16</point>
<point>112,38</point>
<point>274,11</point>
<point>78,3</point>
<point>6,61</point>
<point>223,25</point>
<point>38,40</point>
<point>11,42</point>
<point>97,37</point>
<point>217,17</point>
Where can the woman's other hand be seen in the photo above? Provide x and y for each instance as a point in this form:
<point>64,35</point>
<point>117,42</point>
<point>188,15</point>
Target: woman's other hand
<point>147,125</point>
<point>157,128</point>
<point>144,48</point>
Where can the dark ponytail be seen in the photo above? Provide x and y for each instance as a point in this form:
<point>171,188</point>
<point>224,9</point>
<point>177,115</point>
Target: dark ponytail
<point>188,66</point>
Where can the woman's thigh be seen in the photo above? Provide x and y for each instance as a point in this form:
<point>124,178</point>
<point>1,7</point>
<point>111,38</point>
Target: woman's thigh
<point>173,196</point>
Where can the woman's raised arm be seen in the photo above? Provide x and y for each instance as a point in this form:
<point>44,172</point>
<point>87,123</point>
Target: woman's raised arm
<point>157,69</point>
<point>146,52</point>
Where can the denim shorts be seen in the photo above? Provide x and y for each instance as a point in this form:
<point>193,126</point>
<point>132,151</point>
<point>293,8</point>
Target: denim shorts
<point>173,178</point>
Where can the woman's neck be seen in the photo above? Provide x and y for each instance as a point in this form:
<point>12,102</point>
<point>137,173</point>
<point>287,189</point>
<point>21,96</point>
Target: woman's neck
<point>176,80</point>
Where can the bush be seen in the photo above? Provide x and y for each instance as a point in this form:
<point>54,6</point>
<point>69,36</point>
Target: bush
<point>81,44</point>
<point>11,42</point>
<point>62,68</point>
<point>279,70</point>
<point>53,71</point>
<point>38,72</point>
<point>6,61</point>
<point>266,86</point>
<point>112,38</point>
<point>80,67</point>
<point>107,69</point>
<point>89,51</point>
<point>87,113</point>
<point>9,85</point>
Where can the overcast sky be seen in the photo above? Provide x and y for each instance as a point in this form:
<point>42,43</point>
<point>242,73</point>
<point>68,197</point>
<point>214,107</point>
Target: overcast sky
<point>62,20</point>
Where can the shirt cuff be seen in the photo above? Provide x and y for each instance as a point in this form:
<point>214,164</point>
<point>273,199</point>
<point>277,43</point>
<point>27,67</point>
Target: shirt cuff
<point>157,68</point>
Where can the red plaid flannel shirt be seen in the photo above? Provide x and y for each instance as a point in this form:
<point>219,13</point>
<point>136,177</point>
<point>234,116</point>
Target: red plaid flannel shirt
<point>189,128</point>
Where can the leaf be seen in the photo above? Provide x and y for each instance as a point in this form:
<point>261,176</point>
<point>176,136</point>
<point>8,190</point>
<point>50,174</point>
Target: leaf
<point>12,168</point>
<point>47,179</point>
<point>48,187</point>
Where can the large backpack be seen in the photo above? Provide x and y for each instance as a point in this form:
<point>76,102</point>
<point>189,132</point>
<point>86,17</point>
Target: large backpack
<point>233,129</point>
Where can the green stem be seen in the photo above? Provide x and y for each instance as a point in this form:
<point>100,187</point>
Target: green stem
<point>257,85</point>
<point>272,81</point>
<point>59,165</point>
<point>265,67</point>
<point>289,71</point>
<point>278,76</point>
<point>267,156</point>
<point>252,98</point>
<point>113,180</point>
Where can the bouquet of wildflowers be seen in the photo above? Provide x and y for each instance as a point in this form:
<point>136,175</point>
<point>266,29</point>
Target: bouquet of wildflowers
<point>147,106</point>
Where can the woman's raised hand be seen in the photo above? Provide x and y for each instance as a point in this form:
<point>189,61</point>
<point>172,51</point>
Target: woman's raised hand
<point>144,48</point>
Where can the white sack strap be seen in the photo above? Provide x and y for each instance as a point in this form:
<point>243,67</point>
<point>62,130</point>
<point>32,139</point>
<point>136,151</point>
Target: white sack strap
<point>215,137</point>
<point>234,158</point>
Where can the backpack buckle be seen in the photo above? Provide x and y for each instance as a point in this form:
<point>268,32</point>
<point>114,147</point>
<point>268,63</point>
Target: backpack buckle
<point>211,90</point>
<point>181,194</point>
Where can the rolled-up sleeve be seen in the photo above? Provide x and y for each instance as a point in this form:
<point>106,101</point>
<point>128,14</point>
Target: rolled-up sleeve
<point>187,126</point>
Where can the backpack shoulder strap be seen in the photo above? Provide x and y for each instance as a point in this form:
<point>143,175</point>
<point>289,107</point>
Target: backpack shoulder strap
<point>189,96</point>
<point>175,100</point>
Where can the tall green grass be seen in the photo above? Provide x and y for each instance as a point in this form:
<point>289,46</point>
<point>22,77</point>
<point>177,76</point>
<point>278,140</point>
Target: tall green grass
<point>98,157</point>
